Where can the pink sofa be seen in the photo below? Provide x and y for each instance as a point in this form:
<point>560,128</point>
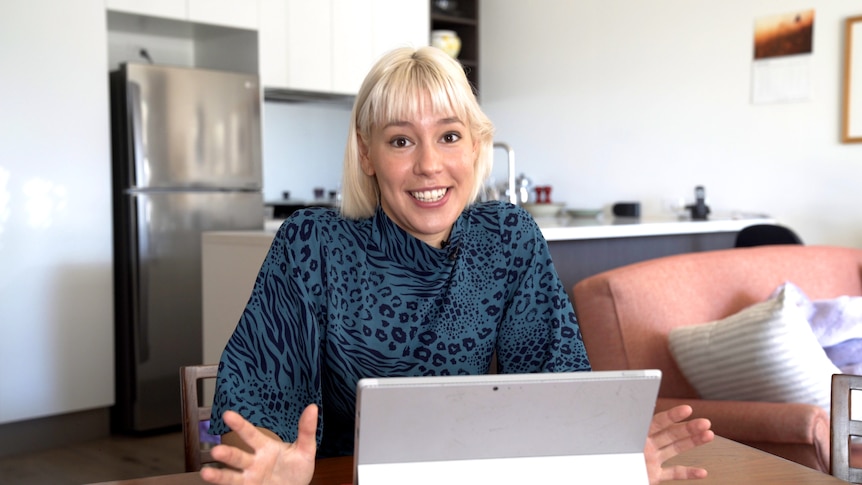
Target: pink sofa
<point>626,314</point>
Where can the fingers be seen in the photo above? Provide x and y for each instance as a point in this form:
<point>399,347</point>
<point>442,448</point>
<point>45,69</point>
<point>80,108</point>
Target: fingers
<point>232,457</point>
<point>256,454</point>
<point>685,442</point>
<point>245,430</point>
<point>671,435</point>
<point>220,476</point>
<point>669,427</point>
<point>682,473</point>
<point>306,439</point>
<point>702,438</point>
<point>673,415</point>
<point>683,436</point>
<point>241,457</point>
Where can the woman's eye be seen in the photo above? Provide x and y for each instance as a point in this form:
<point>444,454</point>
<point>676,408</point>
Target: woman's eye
<point>399,142</point>
<point>451,137</point>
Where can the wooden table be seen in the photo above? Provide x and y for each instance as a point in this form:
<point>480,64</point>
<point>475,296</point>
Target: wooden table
<point>728,463</point>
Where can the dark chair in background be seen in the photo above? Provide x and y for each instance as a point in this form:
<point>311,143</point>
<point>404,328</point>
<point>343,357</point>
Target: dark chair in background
<point>197,450</point>
<point>846,433</point>
<point>766,234</point>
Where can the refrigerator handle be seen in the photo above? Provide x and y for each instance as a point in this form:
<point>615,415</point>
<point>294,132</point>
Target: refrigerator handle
<point>139,241</point>
<point>138,151</point>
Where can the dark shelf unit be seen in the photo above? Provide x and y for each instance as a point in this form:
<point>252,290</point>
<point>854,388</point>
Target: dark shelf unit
<point>464,20</point>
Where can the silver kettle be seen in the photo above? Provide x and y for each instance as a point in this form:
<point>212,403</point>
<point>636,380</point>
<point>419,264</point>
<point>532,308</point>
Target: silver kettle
<point>522,188</point>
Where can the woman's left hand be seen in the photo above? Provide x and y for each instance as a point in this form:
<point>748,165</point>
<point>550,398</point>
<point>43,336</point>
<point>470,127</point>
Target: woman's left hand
<point>669,435</point>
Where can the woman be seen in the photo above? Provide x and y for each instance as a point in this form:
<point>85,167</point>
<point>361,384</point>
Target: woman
<point>411,278</point>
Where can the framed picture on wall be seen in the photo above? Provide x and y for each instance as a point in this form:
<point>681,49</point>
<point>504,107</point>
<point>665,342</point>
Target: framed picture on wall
<point>851,125</point>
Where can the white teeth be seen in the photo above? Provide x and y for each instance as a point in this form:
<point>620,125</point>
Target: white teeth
<point>429,195</point>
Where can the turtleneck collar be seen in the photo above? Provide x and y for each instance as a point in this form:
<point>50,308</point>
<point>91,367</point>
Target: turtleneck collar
<point>397,243</point>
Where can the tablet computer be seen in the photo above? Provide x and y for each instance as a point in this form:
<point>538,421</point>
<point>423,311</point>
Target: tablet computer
<point>579,427</point>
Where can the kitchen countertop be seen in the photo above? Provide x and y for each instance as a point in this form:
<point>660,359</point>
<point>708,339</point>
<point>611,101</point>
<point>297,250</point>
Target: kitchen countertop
<point>571,228</point>
<point>601,227</point>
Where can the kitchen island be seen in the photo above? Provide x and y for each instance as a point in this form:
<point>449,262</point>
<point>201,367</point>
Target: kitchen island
<point>580,247</point>
<point>584,247</point>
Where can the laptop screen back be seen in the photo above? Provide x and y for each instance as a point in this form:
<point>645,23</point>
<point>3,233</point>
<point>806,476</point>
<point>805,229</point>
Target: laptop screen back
<point>504,427</point>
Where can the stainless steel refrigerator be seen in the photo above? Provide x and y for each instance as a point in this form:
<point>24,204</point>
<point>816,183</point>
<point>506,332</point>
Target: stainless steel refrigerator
<point>186,159</point>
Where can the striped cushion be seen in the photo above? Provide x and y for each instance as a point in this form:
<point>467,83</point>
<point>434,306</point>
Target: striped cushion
<point>766,352</point>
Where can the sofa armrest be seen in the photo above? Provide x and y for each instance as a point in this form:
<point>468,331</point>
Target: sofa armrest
<point>749,421</point>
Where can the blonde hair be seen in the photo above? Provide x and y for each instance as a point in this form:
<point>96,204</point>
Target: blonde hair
<point>396,88</point>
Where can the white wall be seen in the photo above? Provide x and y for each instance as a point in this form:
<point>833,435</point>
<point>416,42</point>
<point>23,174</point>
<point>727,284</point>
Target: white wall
<point>612,100</point>
<point>56,288</point>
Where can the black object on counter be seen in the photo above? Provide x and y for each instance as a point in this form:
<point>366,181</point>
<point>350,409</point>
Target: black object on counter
<point>699,210</point>
<point>627,209</point>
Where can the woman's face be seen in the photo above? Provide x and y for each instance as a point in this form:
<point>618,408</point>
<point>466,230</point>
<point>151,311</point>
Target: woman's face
<point>425,169</point>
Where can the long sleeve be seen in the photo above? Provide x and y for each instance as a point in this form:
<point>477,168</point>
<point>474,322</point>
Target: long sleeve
<point>270,369</point>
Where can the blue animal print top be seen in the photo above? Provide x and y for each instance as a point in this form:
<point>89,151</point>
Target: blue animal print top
<point>337,300</point>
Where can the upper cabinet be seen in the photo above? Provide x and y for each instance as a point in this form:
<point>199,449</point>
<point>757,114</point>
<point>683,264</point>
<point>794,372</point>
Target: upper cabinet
<point>208,34</point>
<point>170,9</point>
<point>240,14</point>
<point>328,46</point>
<point>321,46</point>
<point>462,17</point>
<point>295,44</point>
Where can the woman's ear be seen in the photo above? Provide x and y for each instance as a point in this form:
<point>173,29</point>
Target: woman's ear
<point>364,159</point>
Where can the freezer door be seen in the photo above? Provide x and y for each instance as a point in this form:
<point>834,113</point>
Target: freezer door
<point>192,128</point>
<point>162,325</point>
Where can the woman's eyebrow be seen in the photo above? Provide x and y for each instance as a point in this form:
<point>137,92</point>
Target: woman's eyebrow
<point>442,121</point>
<point>396,123</point>
<point>449,120</point>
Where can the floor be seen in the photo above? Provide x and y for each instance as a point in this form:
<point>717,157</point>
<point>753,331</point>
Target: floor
<point>101,460</point>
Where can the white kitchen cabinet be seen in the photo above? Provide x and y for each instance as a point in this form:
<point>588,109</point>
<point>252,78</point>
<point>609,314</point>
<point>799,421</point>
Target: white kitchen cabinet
<point>56,279</point>
<point>169,9</point>
<point>352,44</point>
<point>309,45</point>
<point>328,46</point>
<point>295,45</point>
<point>398,23</point>
<point>272,43</point>
<point>240,14</point>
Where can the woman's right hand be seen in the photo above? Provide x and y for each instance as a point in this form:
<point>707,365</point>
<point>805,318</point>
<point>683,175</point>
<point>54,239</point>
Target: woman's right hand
<point>271,461</point>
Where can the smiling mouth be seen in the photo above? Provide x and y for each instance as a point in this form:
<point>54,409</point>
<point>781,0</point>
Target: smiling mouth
<point>429,195</point>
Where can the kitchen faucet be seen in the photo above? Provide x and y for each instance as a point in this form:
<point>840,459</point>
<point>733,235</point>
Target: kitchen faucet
<point>510,155</point>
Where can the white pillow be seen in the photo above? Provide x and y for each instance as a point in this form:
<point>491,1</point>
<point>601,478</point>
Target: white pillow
<point>766,352</point>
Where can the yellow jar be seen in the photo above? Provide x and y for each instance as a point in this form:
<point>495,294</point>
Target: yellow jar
<point>447,41</point>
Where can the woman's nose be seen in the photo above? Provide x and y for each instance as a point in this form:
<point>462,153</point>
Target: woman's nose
<point>429,160</point>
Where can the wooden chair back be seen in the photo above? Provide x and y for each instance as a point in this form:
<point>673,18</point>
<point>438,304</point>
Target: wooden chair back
<point>846,432</point>
<point>197,452</point>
